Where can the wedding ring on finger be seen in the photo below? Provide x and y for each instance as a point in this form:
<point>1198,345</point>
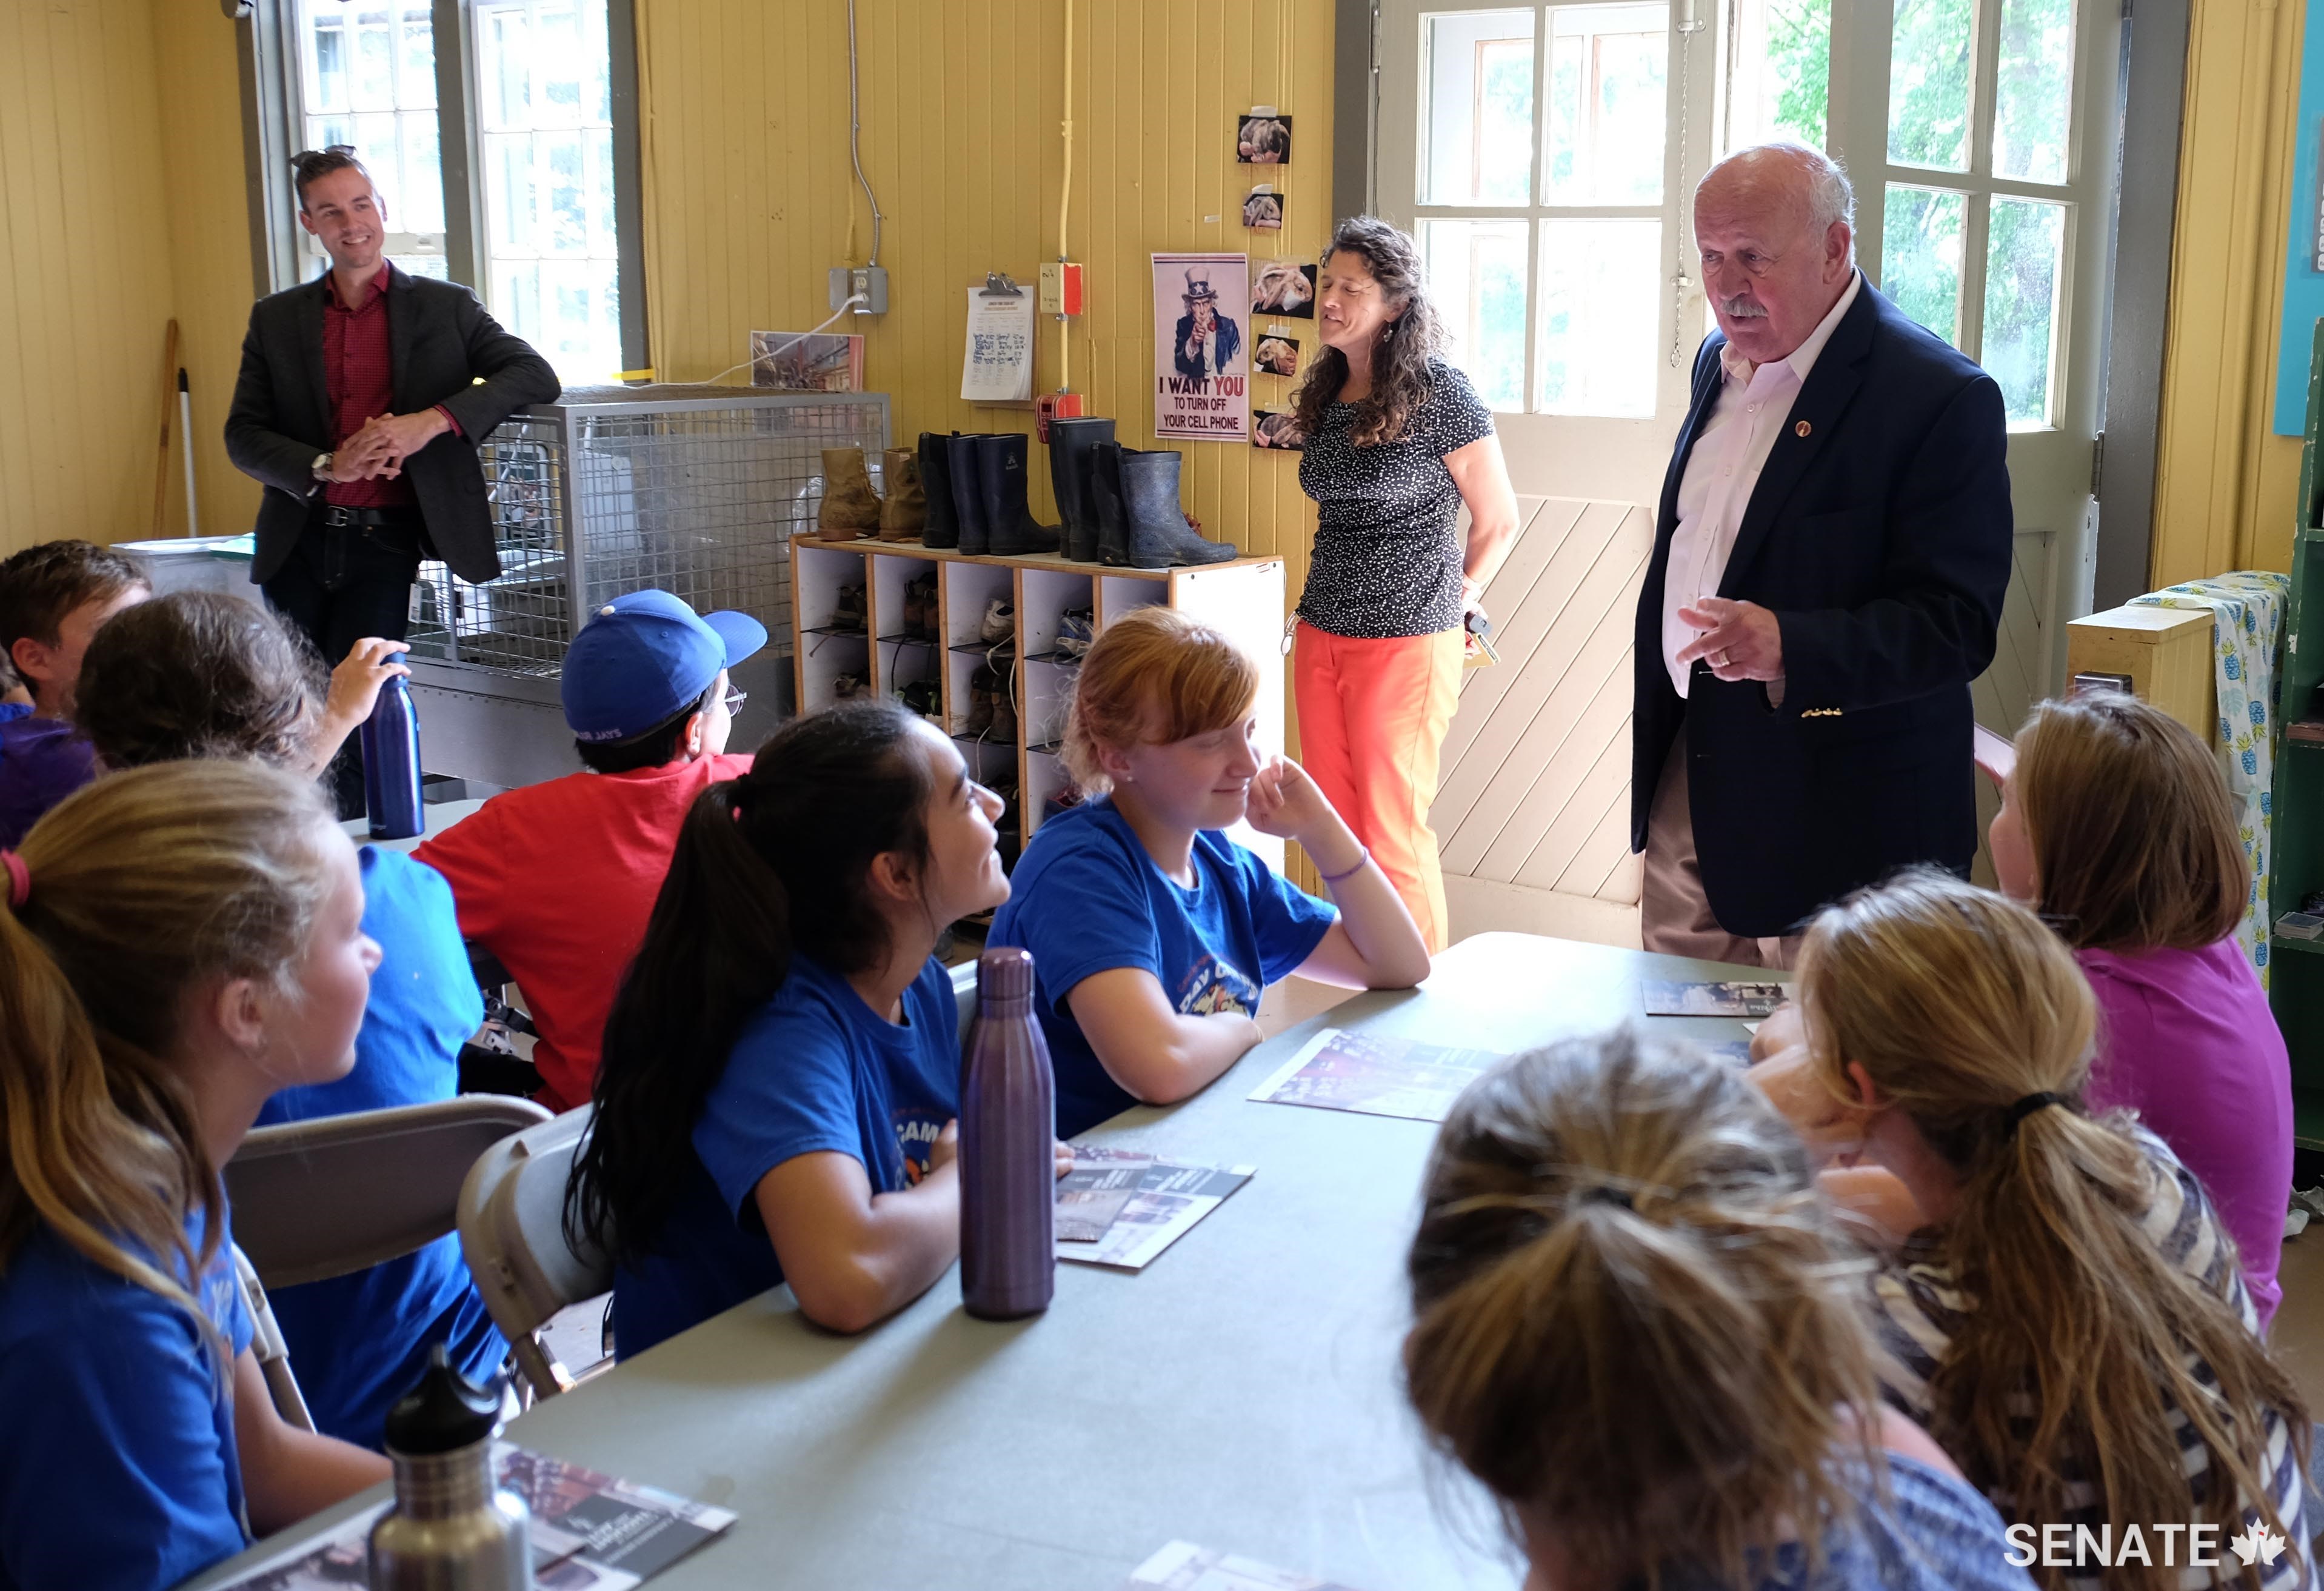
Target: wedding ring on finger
<point>1718,660</point>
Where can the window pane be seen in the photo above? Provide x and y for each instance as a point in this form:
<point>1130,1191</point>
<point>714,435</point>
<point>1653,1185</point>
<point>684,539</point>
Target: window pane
<point>1929,83</point>
<point>1603,128</point>
<point>1601,294</point>
<point>415,89</point>
<point>1921,256</point>
<point>551,252</point>
<point>1476,278</point>
<point>423,174</point>
<point>1782,72</point>
<point>373,84</point>
<point>2034,95</point>
<point>326,89</point>
<point>2023,264</point>
<point>1477,115</point>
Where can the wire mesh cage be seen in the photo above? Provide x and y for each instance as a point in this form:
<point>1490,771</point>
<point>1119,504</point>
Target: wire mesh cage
<point>693,490</point>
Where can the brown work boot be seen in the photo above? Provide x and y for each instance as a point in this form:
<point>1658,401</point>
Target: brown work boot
<point>904,512</point>
<point>850,508</point>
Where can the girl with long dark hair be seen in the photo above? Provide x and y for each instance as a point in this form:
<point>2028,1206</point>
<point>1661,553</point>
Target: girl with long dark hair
<point>782,1067</point>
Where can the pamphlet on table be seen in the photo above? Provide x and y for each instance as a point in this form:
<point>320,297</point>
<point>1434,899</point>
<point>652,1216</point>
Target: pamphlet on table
<point>1182,1566</point>
<point>1710,999</point>
<point>1121,1207</point>
<point>590,1532</point>
<point>1374,1075</point>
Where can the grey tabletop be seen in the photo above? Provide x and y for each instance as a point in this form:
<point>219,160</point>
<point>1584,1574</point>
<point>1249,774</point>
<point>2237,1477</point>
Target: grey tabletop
<point>1240,1392</point>
<point>439,815</point>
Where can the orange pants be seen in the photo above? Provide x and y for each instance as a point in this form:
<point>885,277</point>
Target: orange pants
<point>1372,716</point>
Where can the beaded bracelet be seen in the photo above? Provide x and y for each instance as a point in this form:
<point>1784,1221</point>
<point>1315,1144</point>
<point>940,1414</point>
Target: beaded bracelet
<point>1364,858</point>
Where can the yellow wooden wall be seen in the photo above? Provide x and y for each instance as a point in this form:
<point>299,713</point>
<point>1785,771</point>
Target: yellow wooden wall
<point>85,288</point>
<point>2224,481</point>
<point>121,204</point>
<point>750,199</point>
<point>208,194</point>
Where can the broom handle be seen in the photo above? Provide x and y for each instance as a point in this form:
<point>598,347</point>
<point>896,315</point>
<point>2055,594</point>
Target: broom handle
<point>169,406</point>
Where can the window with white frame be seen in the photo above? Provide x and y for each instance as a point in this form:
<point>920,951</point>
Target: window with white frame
<point>1975,226</point>
<point>538,115</point>
<point>366,77</point>
<point>545,128</point>
<point>1540,205</point>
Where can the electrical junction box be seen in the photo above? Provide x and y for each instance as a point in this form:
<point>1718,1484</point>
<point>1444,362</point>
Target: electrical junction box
<point>1061,288</point>
<point>869,281</point>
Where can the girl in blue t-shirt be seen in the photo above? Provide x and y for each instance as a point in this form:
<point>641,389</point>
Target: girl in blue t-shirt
<point>1637,1322</point>
<point>178,942</point>
<point>1152,933</point>
<point>202,673</point>
<point>782,1068</point>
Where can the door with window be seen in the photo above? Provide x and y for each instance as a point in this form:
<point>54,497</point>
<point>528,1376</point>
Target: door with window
<point>1546,156</point>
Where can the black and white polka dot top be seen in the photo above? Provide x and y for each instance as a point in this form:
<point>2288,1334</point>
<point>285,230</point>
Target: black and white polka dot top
<point>1387,560</point>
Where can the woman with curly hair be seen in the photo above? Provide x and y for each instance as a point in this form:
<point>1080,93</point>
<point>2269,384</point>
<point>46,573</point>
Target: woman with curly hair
<point>1397,441</point>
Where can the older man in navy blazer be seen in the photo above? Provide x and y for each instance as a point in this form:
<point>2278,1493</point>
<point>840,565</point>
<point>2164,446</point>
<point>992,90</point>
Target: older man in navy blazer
<point>1831,553</point>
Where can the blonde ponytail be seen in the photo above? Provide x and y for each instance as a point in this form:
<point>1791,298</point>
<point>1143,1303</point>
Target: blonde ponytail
<point>1960,1004</point>
<point>142,888</point>
<point>1633,1320</point>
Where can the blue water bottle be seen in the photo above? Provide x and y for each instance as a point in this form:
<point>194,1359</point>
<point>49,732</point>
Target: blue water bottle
<point>391,759</point>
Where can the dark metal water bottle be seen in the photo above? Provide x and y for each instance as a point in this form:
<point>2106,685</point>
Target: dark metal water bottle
<point>391,759</point>
<point>1008,1136</point>
<point>451,1528</point>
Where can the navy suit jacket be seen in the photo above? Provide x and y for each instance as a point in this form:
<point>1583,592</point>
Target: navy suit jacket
<point>1879,536</point>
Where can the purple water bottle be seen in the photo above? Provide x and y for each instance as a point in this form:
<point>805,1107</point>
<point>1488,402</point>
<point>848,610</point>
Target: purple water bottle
<point>1008,1162</point>
<point>390,758</point>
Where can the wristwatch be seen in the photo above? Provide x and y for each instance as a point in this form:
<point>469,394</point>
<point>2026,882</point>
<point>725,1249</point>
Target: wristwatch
<point>321,467</point>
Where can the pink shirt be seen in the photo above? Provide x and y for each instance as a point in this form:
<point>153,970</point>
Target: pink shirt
<point>2186,1039</point>
<point>1738,435</point>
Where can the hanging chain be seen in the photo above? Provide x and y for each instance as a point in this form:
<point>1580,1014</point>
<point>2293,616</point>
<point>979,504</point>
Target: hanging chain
<point>1680,280</point>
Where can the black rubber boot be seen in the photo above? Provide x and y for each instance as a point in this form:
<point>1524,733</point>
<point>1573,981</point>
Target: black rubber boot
<point>942,527</point>
<point>1104,481</point>
<point>967,495</point>
<point>1159,534</point>
<point>1070,445</point>
<point>1000,470</point>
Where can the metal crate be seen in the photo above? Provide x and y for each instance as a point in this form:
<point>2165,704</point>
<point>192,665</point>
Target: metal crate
<point>693,490</point>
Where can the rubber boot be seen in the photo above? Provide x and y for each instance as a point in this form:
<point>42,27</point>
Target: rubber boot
<point>1105,500</point>
<point>968,495</point>
<point>1000,468</point>
<point>1070,443</point>
<point>904,512</point>
<point>942,527</point>
<point>1159,534</point>
<point>850,507</point>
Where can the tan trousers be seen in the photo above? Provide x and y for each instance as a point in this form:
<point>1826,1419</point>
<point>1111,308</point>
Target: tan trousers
<point>1673,913</point>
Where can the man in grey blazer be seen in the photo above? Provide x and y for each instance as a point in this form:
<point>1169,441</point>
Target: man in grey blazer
<point>361,398</point>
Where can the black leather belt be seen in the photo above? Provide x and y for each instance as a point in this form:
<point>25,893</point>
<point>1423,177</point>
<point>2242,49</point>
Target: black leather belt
<point>339,517</point>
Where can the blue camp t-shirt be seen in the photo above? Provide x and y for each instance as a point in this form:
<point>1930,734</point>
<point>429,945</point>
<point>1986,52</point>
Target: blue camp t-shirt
<point>119,1471</point>
<point>359,1342</point>
<point>816,1068</point>
<point>1087,899</point>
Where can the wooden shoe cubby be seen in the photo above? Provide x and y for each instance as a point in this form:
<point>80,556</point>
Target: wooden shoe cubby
<point>1243,598</point>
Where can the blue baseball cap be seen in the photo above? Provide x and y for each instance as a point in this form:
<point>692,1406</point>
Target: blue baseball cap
<point>644,657</point>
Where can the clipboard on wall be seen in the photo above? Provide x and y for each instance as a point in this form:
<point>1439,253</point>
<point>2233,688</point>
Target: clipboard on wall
<point>996,368</point>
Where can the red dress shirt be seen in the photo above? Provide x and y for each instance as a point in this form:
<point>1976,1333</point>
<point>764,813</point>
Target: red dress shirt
<point>359,380</point>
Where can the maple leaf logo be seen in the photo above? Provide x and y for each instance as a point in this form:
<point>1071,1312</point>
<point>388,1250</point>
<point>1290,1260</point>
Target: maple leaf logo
<point>2257,1544</point>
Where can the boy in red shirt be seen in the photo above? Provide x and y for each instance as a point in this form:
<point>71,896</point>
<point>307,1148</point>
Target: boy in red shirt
<point>557,879</point>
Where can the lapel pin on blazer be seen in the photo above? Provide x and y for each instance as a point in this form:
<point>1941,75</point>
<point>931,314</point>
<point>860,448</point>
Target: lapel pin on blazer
<point>1803,428</point>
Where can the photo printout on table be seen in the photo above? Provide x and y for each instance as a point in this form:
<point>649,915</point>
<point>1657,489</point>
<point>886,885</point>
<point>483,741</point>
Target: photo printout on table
<point>1671,999</point>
